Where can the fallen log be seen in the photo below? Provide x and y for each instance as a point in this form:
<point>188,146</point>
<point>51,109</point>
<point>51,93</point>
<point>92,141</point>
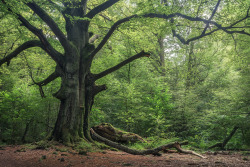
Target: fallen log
<point>154,151</point>
<point>178,148</point>
<point>109,132</point>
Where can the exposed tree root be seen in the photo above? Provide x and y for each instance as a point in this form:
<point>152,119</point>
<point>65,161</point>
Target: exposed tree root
<point>154,151</point>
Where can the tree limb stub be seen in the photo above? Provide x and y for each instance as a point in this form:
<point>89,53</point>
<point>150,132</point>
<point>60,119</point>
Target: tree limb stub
<point>154,151</point>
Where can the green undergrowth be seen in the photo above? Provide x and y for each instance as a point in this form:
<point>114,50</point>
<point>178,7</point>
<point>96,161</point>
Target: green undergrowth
<point>92,147</point>
<point>152,142</point>
<point>80,146</point>
<point>43,144</point>
<point>84,146</point>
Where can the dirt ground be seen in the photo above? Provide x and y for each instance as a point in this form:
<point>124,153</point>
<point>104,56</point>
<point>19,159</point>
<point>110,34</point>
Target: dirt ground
<point>20,156</point>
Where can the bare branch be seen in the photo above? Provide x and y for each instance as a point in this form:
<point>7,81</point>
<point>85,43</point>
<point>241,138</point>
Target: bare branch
<point>212,15</point>
<point>119,22</point>
<point>105,17</point>
<point>231,26</point>
<point>26,45</point>
<point>101,8</point>
<point>50,22</point>
<point>219,26</point>
<point>51,2</point>
<point>55,55</point>
<point>248,11</point>
<point>49,79</point>
<point>112,69</point>
<point>11,47</point>
<point>31,76</point>
<point>235,45</point>
<point>108,35</point>
<point>166,17</point>
<point>56,6</point>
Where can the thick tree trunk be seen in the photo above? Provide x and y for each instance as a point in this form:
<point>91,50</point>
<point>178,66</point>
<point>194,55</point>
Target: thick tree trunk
<point>72,122</point>
<point>76,95</point>
<point>68,126</point>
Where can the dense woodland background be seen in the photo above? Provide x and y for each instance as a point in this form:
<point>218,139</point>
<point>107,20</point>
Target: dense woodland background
<point>198,92</point>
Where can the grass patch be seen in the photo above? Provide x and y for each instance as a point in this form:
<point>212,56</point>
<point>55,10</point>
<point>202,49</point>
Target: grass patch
<point>43,145</point>
<point>83,146</point>
<point>152,142</point>
<point>63,149</point>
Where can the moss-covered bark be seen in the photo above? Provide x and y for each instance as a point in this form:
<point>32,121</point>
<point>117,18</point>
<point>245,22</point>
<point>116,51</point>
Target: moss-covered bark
<point>111,133</point>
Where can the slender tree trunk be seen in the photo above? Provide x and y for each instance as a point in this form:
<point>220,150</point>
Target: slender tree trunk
<point>226,140</point>
<point>190,80</point>
<point>162,55</point>
<point>76,95</point>
<point>72,122</point>
<point>26,130</point>
<point>69,124</point>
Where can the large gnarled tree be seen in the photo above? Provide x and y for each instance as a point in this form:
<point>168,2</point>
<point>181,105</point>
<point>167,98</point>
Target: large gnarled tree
<point>78,87</point>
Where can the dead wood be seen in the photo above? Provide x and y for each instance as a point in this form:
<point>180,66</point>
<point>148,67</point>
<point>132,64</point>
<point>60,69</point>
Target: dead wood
<point>109,132</point>
<point>154,151</point>
<point>178,148</point>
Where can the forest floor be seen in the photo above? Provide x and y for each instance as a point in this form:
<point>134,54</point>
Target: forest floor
<point>59,156</point>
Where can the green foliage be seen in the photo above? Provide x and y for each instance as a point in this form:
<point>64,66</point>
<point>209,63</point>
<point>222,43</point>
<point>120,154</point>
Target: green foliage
<point>201,96</point>
<point>83,147</point>
<point>152,142</point>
